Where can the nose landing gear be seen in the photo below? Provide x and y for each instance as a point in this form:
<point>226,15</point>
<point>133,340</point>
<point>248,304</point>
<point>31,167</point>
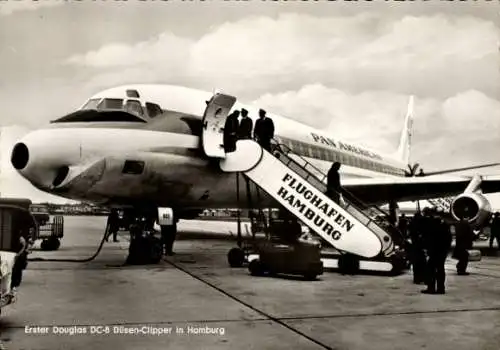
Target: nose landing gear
<point>145,247</point>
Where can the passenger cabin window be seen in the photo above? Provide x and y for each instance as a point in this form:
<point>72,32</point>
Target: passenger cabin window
<point>111,104</point>
<point>91,104</point>
<point>153,109</point>
<point>134,107</point>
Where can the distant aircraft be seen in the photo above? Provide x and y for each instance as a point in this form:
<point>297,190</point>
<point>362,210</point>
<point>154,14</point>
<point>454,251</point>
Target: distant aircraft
<point>151,146</point>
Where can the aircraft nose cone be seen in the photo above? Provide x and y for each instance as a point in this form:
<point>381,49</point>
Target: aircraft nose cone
<point>43,157</point>
<point>20,156</point>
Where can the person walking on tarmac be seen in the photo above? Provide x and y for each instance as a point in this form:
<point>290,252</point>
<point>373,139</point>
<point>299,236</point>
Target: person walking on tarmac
<point>168,233</point>
<point>246,126</point>
<point>417,253</point>
<point>463,242</point>
<point>230,132</point>
<point>334,188</point>
<point>264,130</point>
<point>20,263</point>
<point>495,230</point>
<point>439,243</point>
<point>112,225</point>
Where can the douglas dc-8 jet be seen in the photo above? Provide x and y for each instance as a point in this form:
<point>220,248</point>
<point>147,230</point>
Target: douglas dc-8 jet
<point>148,146</point>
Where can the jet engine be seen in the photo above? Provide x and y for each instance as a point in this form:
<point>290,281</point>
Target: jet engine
<point>473,206</point>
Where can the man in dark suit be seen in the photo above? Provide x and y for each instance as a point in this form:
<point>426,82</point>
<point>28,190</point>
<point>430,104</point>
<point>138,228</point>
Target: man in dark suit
<point>333,183</point>
<point>246,126</point>
<point>264,130</point>
<point>439,243</point>
<point>463,242</point>
<point>495,230</point>
<point>417,252</point>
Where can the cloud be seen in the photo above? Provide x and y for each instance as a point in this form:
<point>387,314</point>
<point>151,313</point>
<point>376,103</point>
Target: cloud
<point>10,6</point>
<point>166,48</point>
<point>357,53</point>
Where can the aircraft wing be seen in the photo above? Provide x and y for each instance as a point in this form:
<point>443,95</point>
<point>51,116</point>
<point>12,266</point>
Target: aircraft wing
<point>382,190</point>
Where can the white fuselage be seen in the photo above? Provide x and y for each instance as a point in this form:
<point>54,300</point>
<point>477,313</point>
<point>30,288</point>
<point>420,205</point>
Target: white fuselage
<point>88,155</point>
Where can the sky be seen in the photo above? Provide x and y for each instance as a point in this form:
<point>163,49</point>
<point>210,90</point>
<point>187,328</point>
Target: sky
<point>344,67</point>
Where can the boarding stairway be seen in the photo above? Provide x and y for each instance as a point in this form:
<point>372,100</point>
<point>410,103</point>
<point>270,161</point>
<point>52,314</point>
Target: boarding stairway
<point>300,188</point>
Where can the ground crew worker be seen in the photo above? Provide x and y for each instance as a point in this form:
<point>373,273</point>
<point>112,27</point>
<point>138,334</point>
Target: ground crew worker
<point>439,244</point>
<point>112,225</point>
<point>264,130</point>
<point>230,131</point>
<point>495,230</point>
<point>333,183</point>
<point>403,225</point>
<point>20,263</point>
<point>417,253</point>
<point>246,126</point>
<point>168,233</point>
<point>463,242</point>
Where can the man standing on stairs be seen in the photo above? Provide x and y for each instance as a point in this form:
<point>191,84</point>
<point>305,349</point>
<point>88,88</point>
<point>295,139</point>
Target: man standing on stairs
<point>246,126</point>
<point>264,130</point>
<point>230,132</point>
<point>333,183</point>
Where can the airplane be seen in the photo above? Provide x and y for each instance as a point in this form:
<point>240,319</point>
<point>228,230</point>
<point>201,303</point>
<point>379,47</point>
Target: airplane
<point>142,146</point>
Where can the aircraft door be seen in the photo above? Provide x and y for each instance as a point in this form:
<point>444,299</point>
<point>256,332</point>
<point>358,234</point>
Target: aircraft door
<point>213,124</point>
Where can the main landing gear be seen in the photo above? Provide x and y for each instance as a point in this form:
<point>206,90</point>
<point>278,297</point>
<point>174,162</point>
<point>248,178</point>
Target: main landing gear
<point>236,257</point>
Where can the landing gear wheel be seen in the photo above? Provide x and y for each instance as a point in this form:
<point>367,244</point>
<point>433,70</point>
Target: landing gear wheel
<point>55,243</point>
<point>399,264</point>
<point>310,277</point>
<point>348,264</point>
<point>44,245</point>
<point>50,244</point>
<point>255,267</point>
<point>156,251</point>
<point>236,257</point>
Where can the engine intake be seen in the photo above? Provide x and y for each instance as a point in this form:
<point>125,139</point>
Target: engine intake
<point>473,207</point>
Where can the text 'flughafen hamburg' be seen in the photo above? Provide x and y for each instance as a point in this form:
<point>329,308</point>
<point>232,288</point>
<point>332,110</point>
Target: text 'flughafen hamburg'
<point>293,194</point>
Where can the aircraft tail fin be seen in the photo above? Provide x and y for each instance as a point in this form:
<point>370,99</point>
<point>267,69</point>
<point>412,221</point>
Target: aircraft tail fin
<point>404,148</point>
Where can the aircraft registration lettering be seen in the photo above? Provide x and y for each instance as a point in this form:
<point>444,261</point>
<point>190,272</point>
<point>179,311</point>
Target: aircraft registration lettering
<point>301,198</point>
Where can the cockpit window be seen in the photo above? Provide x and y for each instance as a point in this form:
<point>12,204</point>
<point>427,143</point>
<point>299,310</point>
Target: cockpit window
<point>91,104</point>
<point>99,116</point>
<point>133,93</point>
<point>111,103</point>
<point>153,109</point>
<point>134,107</point>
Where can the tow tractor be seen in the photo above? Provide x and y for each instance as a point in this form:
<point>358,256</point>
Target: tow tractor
<point>275,245</point>
<point>15,220</point>
<point>285,252</point>
<point>50,233</point>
